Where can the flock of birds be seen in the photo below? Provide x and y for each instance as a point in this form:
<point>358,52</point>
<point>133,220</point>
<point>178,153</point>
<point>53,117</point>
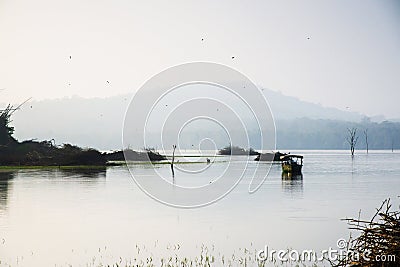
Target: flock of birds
<point>70,57</point>
<point>108,82</point>
<point>202,39</point>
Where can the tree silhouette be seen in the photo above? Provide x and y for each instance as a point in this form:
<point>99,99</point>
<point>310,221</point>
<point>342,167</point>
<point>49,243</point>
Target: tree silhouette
<point>6,131</point>
<point>352,139</point>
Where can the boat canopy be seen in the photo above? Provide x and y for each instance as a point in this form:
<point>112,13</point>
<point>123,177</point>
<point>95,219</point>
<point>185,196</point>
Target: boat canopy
<point>285,157</point>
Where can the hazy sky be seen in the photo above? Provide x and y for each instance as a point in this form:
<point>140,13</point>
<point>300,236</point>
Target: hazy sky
<point>337,53</point>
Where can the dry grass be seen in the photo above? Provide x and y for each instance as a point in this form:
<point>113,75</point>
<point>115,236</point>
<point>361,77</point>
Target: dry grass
<point>379,241</point>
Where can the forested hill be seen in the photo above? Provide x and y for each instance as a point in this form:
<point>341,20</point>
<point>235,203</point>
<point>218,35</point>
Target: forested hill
<point>307,133</point>
<point>97,122</point>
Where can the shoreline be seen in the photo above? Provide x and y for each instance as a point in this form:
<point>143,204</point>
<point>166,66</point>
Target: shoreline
<point>33,167</point>
<point>111,164</point>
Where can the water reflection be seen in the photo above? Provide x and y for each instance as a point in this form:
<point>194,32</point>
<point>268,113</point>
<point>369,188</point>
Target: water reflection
<point>5,177</point>
<point>84,172</point>
<point>292,183</point>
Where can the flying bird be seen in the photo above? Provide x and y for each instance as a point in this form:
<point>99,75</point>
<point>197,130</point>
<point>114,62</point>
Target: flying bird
<point>233,57</point>
<point>70,57</point>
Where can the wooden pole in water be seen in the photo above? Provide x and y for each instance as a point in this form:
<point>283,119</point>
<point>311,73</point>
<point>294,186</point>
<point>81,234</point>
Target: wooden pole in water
<point>366,138</point>
<point>172,162</point>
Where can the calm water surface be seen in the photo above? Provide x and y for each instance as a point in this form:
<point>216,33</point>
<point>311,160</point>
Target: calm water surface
<point>83,218</point>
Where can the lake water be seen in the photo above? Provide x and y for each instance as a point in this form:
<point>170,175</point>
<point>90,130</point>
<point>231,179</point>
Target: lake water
<point>85,218</point>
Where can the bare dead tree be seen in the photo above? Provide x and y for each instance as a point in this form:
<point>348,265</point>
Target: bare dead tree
<point>366,138</point>
<point>6,131</point>
<point>352,139</point>
<point>11,109</point>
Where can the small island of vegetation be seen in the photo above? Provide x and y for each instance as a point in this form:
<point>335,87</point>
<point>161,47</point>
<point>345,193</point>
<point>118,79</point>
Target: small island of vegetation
<point>47,153</point>
<point>236,150</point>
<point>131,155</point>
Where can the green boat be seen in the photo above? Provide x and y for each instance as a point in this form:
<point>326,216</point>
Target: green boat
<point>292,163</point>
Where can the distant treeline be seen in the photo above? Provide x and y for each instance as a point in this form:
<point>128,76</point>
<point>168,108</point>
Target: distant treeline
<point>47,153</point>
<point>331,134</point>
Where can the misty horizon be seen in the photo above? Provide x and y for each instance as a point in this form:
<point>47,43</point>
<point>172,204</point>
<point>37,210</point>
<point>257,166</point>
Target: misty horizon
<point>97,122</point>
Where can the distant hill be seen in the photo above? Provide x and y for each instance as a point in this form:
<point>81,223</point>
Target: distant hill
<point>97,122</point>
<point>288,107</point>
